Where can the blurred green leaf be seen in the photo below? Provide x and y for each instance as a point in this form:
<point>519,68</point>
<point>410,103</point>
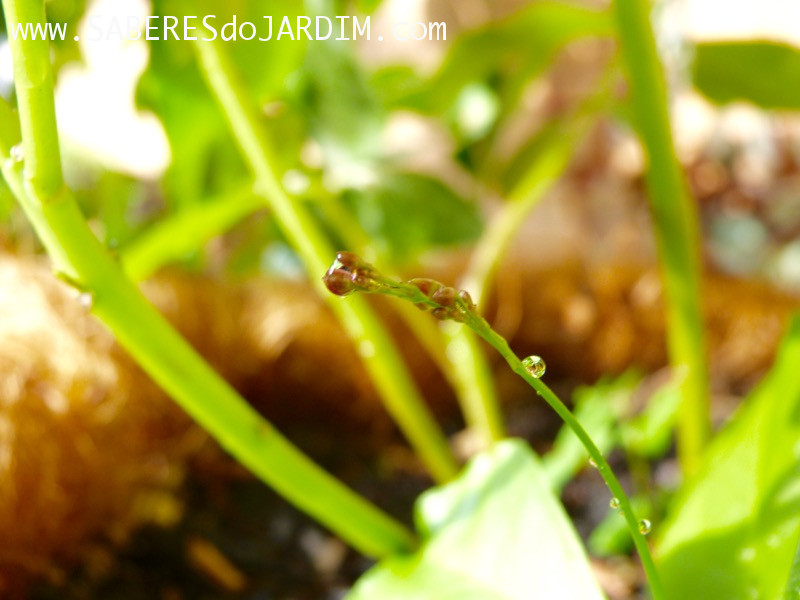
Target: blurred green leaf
<point>512,50</point>
<point>203,158</point>
<point>497,532</point>
<point>792,591</point>
<point>764,73</point>
<point>650,433</point>
<point>734,527</point>
<point>407,213</point>
<point>342,111</point>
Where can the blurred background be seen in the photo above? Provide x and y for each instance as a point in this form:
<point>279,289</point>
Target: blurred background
<point>405,152</point>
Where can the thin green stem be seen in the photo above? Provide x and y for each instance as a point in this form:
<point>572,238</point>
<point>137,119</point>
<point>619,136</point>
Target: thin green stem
<point>676,226</point>
<point>389,374</point>
<point>181,234</point>
<point>482,328</point>
<point>152,342</point>
<point>446,304</point>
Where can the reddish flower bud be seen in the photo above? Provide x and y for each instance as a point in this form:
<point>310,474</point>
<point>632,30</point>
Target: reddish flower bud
<point>338,281</point>
<point>441,313</point>
<point>445,296</point>
<point>426,286</point>
<point>363,280</point>
<point>349,260</point>
<point>464,295</point>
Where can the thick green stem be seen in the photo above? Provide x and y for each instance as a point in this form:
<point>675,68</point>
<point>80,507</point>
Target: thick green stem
<point>388,372</point>
<point>676,226</point>
<point>141,330</point>
<point>33,81</point>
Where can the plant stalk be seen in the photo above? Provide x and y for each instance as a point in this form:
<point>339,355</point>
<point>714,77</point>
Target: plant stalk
<point>676,225</point>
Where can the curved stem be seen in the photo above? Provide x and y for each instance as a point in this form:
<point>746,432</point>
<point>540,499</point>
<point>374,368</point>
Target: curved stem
<point>149,338</point>
<point>381,358</point>
<point>482,328</point>
<point>461,309</point>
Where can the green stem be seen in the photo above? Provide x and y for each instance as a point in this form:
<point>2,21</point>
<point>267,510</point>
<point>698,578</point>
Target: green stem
<point>33,80</point>
<point>181,234</point>
<point>380,356</point>
<point>153,343</point>
<point>676,226</point>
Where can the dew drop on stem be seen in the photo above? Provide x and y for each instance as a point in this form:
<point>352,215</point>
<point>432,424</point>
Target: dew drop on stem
<point>535,366</point>
<point>614,503</point>
<point>645,526</point>
<point>17,153</point>
<point>85,300</point>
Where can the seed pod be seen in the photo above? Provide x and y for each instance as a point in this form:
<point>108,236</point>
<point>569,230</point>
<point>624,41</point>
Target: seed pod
<point>464,295</point>
<point>363,280</point>
<point>441,313</point>
<point>426,286</point>
<point>445,296</point>
<point>349,260</point>
<point>338,281</point>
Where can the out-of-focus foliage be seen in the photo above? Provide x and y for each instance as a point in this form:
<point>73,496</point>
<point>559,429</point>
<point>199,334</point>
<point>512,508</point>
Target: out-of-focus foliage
<point>507,53</point>
<point>760,72</point>
<point>497,532</point>
<point>733,529</point>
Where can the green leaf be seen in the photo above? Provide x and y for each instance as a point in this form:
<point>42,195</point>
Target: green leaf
<point>764,73</point>
<point>204,158</point>
<point>407,213</point>
<point>733,530</point>
<point>792,591</point>
<point>514,50</point>
<point>496,533</point>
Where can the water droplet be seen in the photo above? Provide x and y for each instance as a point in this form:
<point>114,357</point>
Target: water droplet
<point>645,526</point>
<point>17,153</point>
<point>592,463</point>
<point>535,366</point>
<point>614,503</point>
<point>85,300</point>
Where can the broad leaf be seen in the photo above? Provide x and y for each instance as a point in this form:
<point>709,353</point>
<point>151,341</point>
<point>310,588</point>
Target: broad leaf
<point>512,50</point>
<point>407,213</point>
<point>496,533</point>
<point>734,528</point>
<point>764,73</point>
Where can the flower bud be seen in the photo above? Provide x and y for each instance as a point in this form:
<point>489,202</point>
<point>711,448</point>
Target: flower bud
<point>338,281</point>
<point>349,260</point>
<point>426,286</point>
<point>467,299</point>
<point>445,296</point>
